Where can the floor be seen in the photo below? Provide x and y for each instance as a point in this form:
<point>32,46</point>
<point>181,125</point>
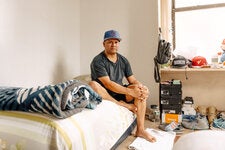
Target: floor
<point>148,124</point>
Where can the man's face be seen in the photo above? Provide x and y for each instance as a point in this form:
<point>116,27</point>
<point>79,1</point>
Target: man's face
<point>111,46</point>
<point>223,46</point>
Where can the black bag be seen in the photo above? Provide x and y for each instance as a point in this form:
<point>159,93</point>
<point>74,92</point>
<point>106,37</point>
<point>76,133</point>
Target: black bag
<point>162,57</point>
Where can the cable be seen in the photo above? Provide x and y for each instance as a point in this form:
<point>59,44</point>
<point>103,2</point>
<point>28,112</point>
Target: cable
<point>186,73</point>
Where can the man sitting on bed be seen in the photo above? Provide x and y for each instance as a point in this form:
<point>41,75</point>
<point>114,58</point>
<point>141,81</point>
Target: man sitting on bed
<point>107,72</point>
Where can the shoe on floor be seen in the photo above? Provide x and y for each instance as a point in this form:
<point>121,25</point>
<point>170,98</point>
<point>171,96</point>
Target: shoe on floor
<point>200,123</point>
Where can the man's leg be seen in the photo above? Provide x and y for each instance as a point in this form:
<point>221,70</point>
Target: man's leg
<point>141,132</point>
<point>100,90</point>
<point>141,110</point>
<point>106,96</point>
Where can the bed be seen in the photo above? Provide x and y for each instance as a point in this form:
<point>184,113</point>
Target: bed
<point>102,126</point>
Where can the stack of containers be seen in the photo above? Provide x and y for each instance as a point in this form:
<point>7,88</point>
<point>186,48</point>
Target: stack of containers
<point>170,101</point>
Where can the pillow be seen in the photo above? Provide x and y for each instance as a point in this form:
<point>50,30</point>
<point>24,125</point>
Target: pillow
<point>84,78</point>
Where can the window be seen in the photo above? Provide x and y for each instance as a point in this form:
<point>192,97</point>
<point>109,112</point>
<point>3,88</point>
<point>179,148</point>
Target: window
<point>195,27</point>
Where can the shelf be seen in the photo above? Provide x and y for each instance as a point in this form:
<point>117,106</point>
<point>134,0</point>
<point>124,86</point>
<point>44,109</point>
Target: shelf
<point>192,69</point>
<point>204,85</point>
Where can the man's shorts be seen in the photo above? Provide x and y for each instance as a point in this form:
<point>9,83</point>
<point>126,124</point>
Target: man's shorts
<point>119,96</point>
<point>122,97</point>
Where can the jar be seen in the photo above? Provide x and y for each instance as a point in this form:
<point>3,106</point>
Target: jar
<point>154,114</point>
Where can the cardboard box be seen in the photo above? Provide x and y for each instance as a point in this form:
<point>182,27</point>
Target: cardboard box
<point>168,118</point>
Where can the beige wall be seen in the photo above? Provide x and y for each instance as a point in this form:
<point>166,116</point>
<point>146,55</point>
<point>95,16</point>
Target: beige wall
<point>48,41</point>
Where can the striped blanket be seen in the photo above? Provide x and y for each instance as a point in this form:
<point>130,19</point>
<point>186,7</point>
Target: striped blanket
<point>61,100</point>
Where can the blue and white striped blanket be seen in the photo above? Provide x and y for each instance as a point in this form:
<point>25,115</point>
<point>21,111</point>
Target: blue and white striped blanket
<point>60,100</point>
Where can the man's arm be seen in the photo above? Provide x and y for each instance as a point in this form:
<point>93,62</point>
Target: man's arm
<point>132,80</point>
<point>117,88</point>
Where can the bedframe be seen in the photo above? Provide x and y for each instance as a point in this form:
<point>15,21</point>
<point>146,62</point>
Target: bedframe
<point>101,126</point>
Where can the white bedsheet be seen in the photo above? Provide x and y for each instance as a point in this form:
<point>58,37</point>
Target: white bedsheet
<point>90,129</point>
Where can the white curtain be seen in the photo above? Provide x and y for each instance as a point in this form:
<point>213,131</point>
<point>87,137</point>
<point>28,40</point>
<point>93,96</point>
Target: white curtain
<point>165,19</point>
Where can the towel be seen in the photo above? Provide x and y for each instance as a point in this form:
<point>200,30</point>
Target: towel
<point>164,141</point>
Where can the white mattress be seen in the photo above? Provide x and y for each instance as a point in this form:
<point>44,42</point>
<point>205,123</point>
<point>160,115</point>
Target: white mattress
<point>90,129</point>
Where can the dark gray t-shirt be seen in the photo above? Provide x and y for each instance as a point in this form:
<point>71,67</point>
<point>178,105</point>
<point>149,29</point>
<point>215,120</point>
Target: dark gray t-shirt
<point>102,66</point>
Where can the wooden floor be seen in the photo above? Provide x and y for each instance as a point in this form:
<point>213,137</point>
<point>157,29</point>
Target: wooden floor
<point>148,124</point>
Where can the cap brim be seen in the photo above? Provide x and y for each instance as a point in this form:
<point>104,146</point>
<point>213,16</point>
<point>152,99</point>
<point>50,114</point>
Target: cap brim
<point>119,39</point>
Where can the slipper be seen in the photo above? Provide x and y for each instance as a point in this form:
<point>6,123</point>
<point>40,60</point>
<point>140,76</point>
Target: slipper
<point>173,126</point>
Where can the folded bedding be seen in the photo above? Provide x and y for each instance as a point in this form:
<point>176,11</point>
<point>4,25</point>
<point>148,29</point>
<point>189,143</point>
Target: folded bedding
<point>60,100</point>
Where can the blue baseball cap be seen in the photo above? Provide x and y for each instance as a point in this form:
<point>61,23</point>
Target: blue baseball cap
<point>112,34</point>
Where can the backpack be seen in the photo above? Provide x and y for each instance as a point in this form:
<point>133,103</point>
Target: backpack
<point>162,57</point>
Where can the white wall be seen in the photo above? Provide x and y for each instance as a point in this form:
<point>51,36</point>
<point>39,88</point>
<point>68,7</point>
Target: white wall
<point>137,23</point>
<point>48,41</point>
<point>39,41</point>
<point>97,17</point>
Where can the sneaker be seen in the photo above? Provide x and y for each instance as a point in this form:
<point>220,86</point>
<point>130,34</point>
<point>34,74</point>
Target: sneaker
<point>200,123</point>
<point>212,112</point>
<point>221,115</point>
<point>219,122</point>
<point>202,110</point>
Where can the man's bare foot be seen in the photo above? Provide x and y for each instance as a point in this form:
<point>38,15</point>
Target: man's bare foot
<point>144,134</point>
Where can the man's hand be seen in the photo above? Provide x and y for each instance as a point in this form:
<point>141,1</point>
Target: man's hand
<point>139,91</point>
<point>134,91</point>
<point>144,92</point>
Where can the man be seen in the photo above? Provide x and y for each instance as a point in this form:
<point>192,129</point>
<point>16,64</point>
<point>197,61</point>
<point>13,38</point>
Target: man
<point>107,72</point>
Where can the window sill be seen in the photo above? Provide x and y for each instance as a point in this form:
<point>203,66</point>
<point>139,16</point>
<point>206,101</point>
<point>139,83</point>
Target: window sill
<point>192,69</point>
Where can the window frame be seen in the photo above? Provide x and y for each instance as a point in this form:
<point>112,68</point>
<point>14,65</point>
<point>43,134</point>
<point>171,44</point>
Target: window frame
<point>167,19</point>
